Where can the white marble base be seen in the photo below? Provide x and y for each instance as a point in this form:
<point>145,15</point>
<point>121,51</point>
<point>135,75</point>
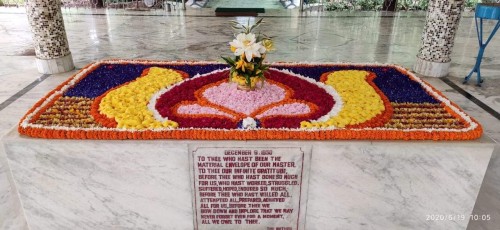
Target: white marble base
<point>431,69</point>
<point>72,184</point>
<point>57,65</point>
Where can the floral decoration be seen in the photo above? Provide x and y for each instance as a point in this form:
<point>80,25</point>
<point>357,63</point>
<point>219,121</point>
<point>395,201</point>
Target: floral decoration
<point>276,105</point>
<point>361,100</point>
<point>126,99</point>
<point>249,49</point>
<point>128,104</point>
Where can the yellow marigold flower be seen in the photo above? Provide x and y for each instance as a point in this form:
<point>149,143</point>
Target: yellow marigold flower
<point>305,124</point>
<point>361,101</point>
<point>128,104</point>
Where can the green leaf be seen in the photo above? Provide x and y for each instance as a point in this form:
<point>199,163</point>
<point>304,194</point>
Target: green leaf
<point>257,24</point>
<point>259,21</point>
<point>247,79</point>
<point>229,61</point>
<point>231,74</point>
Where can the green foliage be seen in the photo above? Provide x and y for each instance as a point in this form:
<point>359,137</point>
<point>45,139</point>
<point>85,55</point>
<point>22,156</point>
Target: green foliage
<point>245,28</point>
<point>413,4</point>
<point>354,5</point>
<point>370,4</point>
<point>471,3</point>
<point>11,2</point>
<point>339,6</point>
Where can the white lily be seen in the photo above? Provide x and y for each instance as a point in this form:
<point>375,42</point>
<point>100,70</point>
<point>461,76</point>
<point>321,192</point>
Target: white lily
<point>245,44</point>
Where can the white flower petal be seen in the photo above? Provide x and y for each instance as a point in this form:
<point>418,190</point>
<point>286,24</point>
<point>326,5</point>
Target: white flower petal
<point>249,55</point>
<point>238,51</point>
<point>250,37</point>
<point>235,43</point>
<point>241,37</point>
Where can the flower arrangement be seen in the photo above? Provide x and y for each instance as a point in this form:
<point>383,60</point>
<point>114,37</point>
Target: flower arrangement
<point>250,49</point>
<point>140,99</point>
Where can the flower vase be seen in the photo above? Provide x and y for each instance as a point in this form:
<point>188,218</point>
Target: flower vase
<point>245,87</point>
<point>242,84</point>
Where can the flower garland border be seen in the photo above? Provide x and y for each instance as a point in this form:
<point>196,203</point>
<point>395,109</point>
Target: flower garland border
<point>473,129</point>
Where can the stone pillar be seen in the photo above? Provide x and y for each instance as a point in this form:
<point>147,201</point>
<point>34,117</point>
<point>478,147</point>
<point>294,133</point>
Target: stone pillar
<point>433,58</point>
<point>49,36</point>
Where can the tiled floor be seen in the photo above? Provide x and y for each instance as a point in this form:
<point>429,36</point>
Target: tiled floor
<point>196,34</point>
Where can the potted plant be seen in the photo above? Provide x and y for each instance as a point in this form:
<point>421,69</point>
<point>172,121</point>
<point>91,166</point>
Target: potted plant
<point>249,49</point>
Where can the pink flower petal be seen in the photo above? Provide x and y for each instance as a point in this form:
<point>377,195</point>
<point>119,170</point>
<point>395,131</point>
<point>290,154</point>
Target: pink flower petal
<point>291,109</point>
<point>246,102</point>
<point>195,109</point>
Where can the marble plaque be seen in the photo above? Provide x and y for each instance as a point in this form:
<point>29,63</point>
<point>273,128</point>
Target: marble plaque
<point>250,187</point>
